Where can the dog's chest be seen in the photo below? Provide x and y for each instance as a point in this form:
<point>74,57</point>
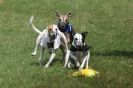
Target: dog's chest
<point>46,42</point>
<point>50,45</point>
<point>78,54</point>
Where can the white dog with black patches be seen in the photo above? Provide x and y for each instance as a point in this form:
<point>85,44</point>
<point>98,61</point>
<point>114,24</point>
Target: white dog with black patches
<point>79,51</point>
<point>51,38</point>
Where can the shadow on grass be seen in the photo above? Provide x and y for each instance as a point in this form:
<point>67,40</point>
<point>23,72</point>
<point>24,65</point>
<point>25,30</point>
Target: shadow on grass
<point>56,60</point>
<point>114,53</point>
<point>35,64</point>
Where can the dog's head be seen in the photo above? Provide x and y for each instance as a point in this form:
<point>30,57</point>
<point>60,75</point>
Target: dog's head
<point>62,20</point>
<point>79,39</point>
<point>52,31</point>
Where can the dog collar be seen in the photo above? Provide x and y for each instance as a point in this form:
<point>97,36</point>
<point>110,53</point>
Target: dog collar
<point>84,48</point>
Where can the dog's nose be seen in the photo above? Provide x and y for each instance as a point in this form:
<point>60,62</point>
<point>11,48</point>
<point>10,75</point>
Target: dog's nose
<point>53,36</point>
<point>79,44</point>
<point>63,24</point>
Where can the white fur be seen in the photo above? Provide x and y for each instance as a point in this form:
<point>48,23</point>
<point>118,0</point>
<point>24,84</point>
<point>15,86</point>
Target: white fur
<point>43,39</point>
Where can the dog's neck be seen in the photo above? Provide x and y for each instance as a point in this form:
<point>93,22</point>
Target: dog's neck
<point>62,29</point>
<point>50,40</point>
<point>77,48</point>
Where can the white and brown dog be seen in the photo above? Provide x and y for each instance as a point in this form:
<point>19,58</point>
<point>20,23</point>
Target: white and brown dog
<point>79,52</point>
<point>51,38</point>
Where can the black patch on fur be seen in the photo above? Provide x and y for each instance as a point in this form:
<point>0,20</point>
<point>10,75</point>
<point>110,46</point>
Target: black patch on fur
<point>50,45</point>
<point>84,36</point>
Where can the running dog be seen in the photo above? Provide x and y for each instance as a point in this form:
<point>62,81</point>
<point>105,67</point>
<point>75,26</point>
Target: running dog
<point>79,52</point>
<point>64,25</point>
<point>51,38</point>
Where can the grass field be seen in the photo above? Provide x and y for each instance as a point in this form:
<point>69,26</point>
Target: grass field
<point>110,27</point>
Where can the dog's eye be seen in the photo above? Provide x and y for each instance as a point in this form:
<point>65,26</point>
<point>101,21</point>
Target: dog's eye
<point>66,20</point>
<point>59,19</point>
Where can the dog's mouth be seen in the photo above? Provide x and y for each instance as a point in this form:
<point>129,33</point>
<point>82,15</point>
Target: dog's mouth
<point>52,36</point>
<point>62,26</point>
<point>79,46</point>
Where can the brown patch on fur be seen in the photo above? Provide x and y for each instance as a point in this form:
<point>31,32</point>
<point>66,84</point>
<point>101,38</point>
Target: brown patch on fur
<point>63,18</point>
<point>50,28</point>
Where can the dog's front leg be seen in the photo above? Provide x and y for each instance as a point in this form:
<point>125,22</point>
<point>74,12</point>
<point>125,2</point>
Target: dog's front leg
<point>67,58</point>
<point>37,44</point>
<point>41,54</point>
<point>83,63</point>
<point>35,50</point>
<point>63,51</point>
<point>87,59</point>
<point>50,60</point>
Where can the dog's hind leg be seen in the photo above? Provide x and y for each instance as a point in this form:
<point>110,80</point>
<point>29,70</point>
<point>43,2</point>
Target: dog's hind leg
<point>41,54</point>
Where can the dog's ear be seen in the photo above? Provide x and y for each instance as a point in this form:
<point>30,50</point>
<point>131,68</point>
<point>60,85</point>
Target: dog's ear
<point>57,13</point>
<point>84,34</point>
<point>73,33</point>
<point>69,14</point>
<point>72,37</point>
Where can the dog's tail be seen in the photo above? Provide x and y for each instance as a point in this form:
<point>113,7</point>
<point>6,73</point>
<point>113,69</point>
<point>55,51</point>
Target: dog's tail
<point>35,29</point>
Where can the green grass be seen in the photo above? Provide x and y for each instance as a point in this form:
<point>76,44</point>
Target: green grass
<point>110,27</point>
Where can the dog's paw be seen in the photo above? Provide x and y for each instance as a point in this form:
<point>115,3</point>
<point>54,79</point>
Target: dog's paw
<point>78,64</point>
<point>69,65</point>
<point>33,54</point>
<point>64,66</point>
<point>46,66</point>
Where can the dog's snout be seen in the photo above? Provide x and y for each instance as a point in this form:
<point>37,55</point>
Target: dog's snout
<point>79,44</point>
<point>53,36</point>
<point>63,24</point>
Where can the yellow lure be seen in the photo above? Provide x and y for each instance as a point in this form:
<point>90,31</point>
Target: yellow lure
<point>85,72</point>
